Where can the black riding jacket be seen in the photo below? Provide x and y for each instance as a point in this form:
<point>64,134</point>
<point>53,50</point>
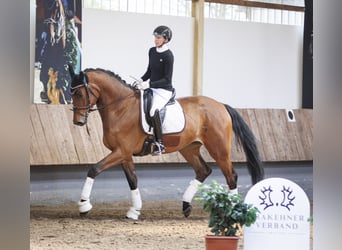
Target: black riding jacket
<point>160,68</point>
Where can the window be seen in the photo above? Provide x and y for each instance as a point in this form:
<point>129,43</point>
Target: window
<point>211,10</point>
<point>252,14</point>
<point>160,7</point>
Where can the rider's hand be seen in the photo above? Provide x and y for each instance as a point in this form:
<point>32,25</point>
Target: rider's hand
<point>139,84</point>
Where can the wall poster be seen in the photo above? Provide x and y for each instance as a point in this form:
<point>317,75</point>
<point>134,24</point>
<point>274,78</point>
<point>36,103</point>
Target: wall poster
<point>57,44</point>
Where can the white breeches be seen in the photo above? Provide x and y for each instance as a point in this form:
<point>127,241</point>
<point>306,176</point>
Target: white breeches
<point>160,98</point>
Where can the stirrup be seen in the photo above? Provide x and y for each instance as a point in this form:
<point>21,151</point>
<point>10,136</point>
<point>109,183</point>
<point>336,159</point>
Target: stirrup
<point>159,148</point>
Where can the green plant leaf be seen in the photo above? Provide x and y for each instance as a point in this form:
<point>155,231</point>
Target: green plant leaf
<point>226,211</point>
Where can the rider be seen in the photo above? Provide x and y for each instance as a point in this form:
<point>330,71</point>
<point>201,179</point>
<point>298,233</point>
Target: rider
<point>159,72</point>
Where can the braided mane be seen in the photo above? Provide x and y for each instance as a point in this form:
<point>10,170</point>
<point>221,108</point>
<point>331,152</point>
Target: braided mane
<point>110,73</point>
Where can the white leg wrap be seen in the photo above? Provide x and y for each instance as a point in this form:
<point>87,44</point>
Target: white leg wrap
<point>84,206</point>
<point>233,191</point>
<point>134,211</point>
<point>136,199</point>
<point>88,185</point>
<point>133,214</point>
<point>191,190</point>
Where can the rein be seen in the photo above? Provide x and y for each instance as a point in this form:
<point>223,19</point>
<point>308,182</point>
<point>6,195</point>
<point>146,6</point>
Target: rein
<point>89,91</point>
<point>88,108</point>
<point>111,103</point>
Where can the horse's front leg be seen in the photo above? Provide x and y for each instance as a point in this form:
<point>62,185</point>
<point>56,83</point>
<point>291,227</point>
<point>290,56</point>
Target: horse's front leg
<point>134,211</point>
<point>109,161</point>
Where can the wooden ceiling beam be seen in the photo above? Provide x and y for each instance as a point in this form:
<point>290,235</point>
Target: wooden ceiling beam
<point>259,4</point>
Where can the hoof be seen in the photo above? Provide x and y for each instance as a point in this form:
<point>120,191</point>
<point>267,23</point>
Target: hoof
<point>84,214</point>
<point>187,208</point>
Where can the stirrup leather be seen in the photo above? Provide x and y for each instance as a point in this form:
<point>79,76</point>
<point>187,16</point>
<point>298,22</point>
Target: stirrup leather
<point>158,133</point>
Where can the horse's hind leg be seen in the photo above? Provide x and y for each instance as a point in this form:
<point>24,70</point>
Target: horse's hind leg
<point>220,152</point>
<point>192,154</point>
<point>230,174</point>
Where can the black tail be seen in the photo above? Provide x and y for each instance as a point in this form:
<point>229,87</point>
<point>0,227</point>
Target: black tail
<point>247,140</point>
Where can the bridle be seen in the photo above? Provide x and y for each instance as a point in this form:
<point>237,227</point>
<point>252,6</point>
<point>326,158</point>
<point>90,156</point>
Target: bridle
<point>88,107</point>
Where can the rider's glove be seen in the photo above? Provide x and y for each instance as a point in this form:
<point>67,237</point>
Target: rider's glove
<point>136,83</point>
<point>139,84</point>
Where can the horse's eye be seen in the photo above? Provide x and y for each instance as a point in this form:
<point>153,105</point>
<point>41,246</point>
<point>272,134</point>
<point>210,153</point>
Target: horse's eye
<point>79,94</point>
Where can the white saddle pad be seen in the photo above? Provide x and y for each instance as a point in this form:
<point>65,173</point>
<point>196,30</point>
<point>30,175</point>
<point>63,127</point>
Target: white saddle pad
<point>174,120</point>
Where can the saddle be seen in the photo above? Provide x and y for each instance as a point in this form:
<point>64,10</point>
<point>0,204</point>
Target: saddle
<point>172,118</point>
<point>147,104</point>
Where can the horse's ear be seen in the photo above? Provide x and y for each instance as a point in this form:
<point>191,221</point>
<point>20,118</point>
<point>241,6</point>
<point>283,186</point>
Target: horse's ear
<point>71,71</point>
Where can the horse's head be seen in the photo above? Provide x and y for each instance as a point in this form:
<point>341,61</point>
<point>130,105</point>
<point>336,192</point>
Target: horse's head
<point>81,100</point>
<point>97,86</point>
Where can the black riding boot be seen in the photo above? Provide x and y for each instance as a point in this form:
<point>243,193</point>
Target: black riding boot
<point>158,132</point>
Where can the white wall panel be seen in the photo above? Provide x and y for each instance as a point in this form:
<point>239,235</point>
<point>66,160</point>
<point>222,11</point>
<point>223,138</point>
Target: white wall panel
<point>120,41</point>
<point>253,65</point>
<point>246,65</point>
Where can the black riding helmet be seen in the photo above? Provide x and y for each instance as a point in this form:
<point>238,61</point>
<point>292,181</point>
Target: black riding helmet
<point>163,31</point>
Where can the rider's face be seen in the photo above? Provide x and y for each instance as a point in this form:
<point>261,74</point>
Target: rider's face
<point>159,41</point>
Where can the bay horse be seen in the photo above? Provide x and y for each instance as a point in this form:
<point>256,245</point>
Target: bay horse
<point>208,122</point>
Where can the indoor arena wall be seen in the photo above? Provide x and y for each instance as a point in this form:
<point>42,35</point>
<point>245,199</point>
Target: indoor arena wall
<point>56,141</point>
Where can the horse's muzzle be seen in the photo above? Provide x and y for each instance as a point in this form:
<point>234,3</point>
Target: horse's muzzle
<point>80,118</point>
<point>80,123</point>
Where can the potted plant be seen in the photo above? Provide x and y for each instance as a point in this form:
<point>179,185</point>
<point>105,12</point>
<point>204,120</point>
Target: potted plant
<point>227,215</point>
